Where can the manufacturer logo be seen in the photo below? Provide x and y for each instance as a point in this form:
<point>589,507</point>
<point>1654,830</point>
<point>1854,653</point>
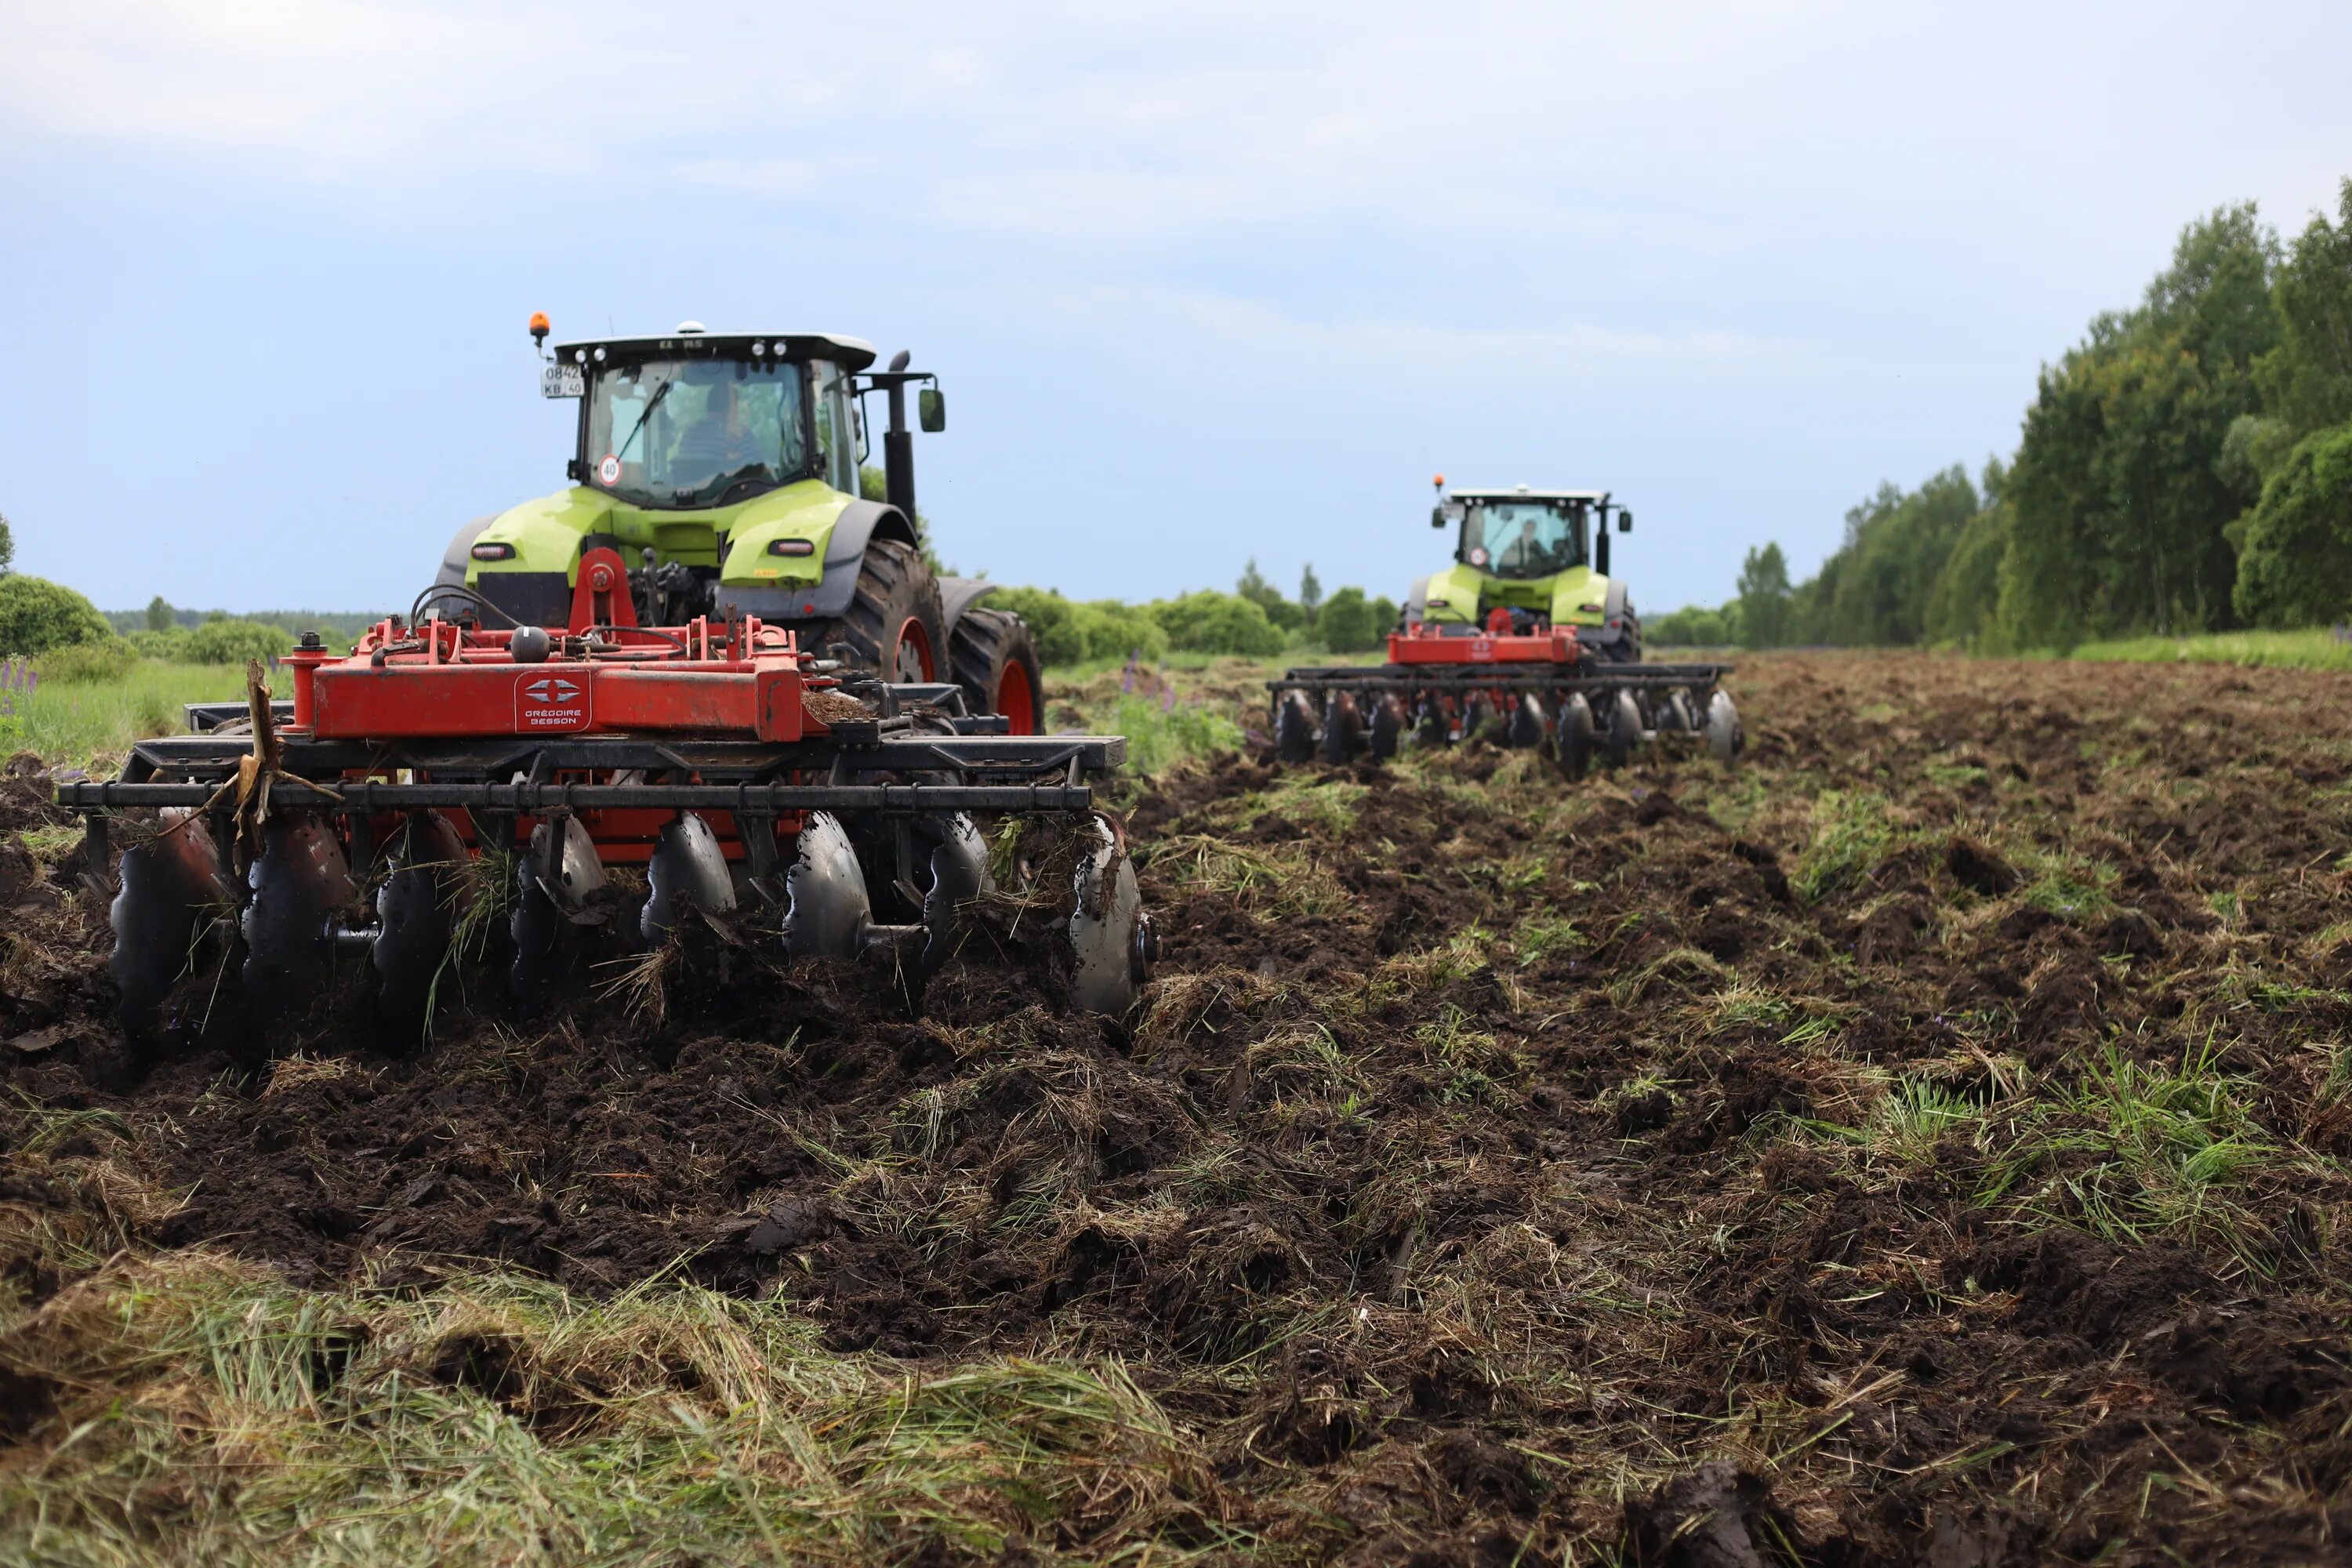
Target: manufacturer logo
<point>1482,648</point>
<point>550,702</point>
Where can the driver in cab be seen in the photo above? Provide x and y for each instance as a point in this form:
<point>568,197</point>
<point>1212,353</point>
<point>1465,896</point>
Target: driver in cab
<point>718,442</point>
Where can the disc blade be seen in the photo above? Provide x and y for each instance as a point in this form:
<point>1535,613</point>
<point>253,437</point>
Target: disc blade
<point>1343,730</point>
<point>563,864</point>
<point>415,912</point>
<point>172,885</point>
<point>1107,931</point>
<point>538,930</point>
<point>1527,726</point>
<point>300,880</point>
<point>1725,735</point>
<point>826,907</point>
<point>1294,728</point>
<point>686,864</point>
<point>958,875</point>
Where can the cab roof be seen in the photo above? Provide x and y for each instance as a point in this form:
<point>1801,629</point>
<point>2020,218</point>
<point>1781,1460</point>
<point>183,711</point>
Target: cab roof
<point>1521,492</point>
<point>850,353</point>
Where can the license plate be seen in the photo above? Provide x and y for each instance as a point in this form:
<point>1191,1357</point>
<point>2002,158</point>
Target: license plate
<point>563,380</point>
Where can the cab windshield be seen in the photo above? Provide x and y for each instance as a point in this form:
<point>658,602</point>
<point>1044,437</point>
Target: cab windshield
<point>1523,539</point>
<point>696,433</point>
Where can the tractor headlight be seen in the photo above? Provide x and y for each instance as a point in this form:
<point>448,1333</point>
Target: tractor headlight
<point>791,547</point>
<point>493,551</point>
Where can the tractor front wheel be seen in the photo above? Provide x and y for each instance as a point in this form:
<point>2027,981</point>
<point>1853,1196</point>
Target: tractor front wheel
<point>892,626</point>
<point>994,660</point>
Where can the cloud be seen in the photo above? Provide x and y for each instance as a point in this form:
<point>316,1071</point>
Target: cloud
<point>1261,332</point>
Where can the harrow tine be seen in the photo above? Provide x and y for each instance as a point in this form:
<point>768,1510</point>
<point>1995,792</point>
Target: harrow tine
<point>169,882</point>
<point>686,864</point>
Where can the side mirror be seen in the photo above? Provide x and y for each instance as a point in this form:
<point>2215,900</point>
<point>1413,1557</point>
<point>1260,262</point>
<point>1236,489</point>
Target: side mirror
<point>931,409</point>
<point>1624,521</point>
<point>1437,517</point>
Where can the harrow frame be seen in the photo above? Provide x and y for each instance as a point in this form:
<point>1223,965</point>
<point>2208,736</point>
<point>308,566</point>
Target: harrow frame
<point>715,756</point>
<point>1543,688</point>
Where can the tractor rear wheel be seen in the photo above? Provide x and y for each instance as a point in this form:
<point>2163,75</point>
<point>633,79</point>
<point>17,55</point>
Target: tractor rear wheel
<point>993,657</point>
<point>893,624</point>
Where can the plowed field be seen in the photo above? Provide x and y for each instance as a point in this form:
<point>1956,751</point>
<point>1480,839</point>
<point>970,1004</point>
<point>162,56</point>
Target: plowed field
<point>1925,1143</point>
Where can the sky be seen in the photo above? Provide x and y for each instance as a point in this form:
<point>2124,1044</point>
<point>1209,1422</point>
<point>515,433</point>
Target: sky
<point>1203,283</point>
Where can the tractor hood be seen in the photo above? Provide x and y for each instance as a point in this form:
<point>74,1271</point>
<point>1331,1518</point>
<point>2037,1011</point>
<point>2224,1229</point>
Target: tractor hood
<point>1463,595</point>
<point>546,534</point>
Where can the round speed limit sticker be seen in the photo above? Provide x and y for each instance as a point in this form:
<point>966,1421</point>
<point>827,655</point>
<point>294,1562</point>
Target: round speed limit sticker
<point>609,470</point>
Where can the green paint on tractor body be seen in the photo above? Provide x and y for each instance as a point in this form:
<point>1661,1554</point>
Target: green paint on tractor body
<point>1463,594</point>
<point>546,534</point>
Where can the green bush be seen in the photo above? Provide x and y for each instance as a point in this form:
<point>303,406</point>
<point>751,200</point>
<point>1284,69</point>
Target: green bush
<point>88,663</point>
<point>1694,626</point>
<point>234,642</point>
<point>2294,549</point>
<point>1067,632</point>
<point>36,614</point>
<point>1349,623</point>
<point>170,646</point>
<point>1211,622</point>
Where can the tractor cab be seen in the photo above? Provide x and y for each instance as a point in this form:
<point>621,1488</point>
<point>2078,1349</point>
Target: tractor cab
<point>1521,534</point>
<point>695,420</point>
<point>723,467</point>
<point>1526,561</point>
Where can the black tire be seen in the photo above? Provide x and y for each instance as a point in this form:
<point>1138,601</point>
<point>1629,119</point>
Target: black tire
<point>897,597</point>
<point>993,657</point>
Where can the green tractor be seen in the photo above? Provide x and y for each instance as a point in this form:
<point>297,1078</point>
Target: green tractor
<point>728,465</point>
<point>1525,637</point>
<point>1542,557</point>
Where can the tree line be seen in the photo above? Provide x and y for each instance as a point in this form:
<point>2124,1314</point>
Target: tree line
<point>1255,619</point>
<point>2186,466</point>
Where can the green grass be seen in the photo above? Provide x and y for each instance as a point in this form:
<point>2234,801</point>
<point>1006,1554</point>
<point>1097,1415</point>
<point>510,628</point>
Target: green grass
<point>72,723</point>
<point>1159,734</point>
<point>2315,647</point>
<point>1853,832</point>
<point>501,1420</point>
